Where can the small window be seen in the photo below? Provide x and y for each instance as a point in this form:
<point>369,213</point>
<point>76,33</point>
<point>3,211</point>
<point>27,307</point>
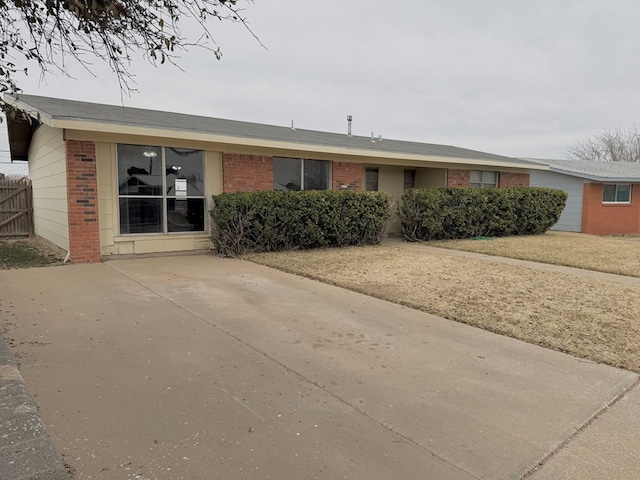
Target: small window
<point>409,179</point>
<point>619,193</point>
<point>301,174</point>
<point>483,179</point>
<point>371,179</point>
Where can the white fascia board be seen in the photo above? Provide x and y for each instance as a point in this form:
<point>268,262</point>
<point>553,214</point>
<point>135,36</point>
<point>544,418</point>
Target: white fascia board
<point>116,128</point>
<point>597,178</point>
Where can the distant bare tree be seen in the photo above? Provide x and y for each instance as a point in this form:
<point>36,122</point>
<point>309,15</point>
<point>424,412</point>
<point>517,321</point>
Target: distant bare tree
<point>609,146</point>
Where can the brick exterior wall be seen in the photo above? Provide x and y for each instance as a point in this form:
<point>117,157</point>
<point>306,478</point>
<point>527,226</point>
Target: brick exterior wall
<point>82,201</point>
<point>347,176</point>
<point>458,178</point>
<point>508,179</point>
<point>609,218</point>
<point>462,178</point>
<point>246,173</point>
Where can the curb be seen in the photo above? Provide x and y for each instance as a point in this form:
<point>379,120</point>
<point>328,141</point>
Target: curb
<point>26,452</point>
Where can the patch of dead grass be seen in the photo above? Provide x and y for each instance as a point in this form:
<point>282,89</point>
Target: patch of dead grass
<point>619,255</point>
<point>589,318</point>
<point>27,253</point>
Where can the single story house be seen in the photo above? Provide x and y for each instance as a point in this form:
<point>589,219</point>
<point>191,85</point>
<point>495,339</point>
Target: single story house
<point>604,197</point>
<point>109,180</point>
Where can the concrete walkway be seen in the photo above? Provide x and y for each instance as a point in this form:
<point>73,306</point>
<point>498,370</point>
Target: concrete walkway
<point>576,272</point>
<point>199,367</point>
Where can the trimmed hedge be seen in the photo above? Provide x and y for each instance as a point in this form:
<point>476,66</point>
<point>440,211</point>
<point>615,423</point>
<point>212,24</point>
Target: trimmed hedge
<point>449,213</point>
<point>287,220</point>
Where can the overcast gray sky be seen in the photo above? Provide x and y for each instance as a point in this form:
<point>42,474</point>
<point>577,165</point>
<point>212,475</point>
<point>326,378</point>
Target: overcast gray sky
<point>510,77</point>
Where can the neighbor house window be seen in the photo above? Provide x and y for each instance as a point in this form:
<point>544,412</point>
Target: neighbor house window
<point>371,179</point>
<point>301,174</point>
<point>483,179</point>
<point>160,190</point>
<point>409,179</point>
<point>619,193</point>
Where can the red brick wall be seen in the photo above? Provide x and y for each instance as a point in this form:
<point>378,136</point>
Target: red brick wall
<point>609,218</point>
<point>508,179</point>
<point>458,178</point>
<point>246,173</point>
<point>347,176</point>
<point>82,201</point>
<point>462,178</point>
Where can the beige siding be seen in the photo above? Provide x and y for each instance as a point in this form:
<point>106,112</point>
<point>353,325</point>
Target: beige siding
<point>431,177</point>
<point>47,169</point>
<point>113,244</point>
<point>105,171</point>
<point>391,180</point>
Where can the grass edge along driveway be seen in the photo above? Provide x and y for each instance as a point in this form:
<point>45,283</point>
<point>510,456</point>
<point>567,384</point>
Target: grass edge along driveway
<point>593,319</point>
<point>610,254</point>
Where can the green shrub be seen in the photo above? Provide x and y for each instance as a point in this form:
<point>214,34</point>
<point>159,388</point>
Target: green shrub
<point>287,220</point>
<point>448,213</point>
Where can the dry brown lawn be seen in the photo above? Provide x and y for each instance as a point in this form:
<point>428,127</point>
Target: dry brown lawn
<point>620,255</point>
<point>592,319</point>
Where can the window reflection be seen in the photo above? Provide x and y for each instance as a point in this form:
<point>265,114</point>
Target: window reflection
<point>139,170</point>
<point>185,215</point>
<point>159,186</point>
<point>140,215</point>
<point>301,174</point>
<point>185,164</point>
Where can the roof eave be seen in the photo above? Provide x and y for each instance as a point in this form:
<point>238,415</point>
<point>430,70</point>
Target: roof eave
<point>20,130</point>
<point>20,133</point>
<point>597,178</point>
<point>117,128</point>
<point>33,112</point>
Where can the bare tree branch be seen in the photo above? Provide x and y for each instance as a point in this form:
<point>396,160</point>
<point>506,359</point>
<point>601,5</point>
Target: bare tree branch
<point>609,146</point>
<point>48,33</point>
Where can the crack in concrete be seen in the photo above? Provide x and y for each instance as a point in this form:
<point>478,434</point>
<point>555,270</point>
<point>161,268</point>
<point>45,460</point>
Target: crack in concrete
<point>291,370</point>
<point>580,430</point>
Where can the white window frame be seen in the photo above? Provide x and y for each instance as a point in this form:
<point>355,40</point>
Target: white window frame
<point>616,201</point>
<point>484,183</point>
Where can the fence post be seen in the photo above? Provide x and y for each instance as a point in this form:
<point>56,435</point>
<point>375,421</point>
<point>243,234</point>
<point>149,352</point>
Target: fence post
<point>30,219</point>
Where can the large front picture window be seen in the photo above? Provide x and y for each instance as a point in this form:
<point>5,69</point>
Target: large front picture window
<point>160,190</point>
<point>301,174</point>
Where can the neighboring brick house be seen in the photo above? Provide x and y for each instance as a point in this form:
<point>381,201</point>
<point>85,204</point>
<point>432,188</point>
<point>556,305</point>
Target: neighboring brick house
<point>109,180</point>
<point>604,197</point>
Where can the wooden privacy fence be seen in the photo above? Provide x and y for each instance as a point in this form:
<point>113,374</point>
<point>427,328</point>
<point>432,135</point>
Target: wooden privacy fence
<point>16,208</point>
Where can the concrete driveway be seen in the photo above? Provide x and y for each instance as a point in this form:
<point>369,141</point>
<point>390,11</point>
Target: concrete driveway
<point>196,367</point>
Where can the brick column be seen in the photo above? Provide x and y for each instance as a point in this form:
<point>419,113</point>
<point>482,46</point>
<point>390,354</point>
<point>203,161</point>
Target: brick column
<point>508,179</point>
<point>82,201</point>
<point>458,178</point>
<point>347,176</point>
<point>246,173</point>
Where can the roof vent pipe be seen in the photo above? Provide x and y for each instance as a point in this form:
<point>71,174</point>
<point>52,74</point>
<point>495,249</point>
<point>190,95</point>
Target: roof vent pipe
<point>292,127</point>
<point>349,118</point>
<point>373,140</point>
